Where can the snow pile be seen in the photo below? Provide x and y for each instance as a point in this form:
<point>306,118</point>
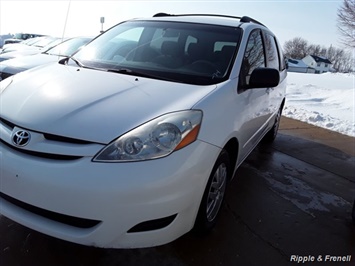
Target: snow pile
<point>325,100</point>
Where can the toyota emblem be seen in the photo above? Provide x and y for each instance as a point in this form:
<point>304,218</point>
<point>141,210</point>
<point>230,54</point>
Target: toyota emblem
<point>21,138</point>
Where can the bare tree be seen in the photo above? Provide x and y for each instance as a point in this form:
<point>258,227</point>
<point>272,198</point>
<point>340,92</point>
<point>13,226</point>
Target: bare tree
<point>317,50</point>
<point>342,60</point>
<point>296,48</point>
<point>346,22</point>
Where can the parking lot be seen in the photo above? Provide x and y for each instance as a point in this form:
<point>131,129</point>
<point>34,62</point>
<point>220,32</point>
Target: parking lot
<point>288,201</point>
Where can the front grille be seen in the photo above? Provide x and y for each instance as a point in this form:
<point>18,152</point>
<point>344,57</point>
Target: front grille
<point>44,155</point>
<point>46,135</point>
<point>64,139</point>
<point>58,217</point>
<point>7,123</point>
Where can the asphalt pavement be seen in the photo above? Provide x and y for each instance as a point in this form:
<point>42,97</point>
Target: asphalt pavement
<point>289,204</point>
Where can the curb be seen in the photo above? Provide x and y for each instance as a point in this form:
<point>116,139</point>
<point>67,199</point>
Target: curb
<point>296,128</point>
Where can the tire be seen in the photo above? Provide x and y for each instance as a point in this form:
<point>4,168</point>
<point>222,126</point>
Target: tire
<point>271,135</point>
<point>353,213</point>
<point>213,196</point>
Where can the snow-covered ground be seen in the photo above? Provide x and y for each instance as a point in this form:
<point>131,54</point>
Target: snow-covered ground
<point>325,100</point>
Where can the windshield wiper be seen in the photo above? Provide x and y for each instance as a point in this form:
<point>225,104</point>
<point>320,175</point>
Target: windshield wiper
<point>76,61</point>
<point>65,60</point>
<point>129,71</point>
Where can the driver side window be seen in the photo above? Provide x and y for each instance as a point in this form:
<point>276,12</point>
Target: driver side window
<point>254,57</point>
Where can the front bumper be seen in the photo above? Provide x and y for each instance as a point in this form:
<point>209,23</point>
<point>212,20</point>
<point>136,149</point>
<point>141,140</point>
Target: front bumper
<point>119,196</point>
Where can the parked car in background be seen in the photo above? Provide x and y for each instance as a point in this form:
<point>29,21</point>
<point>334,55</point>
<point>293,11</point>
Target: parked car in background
<point>18,37</point>
<point>13,66</point>
<point>132,141</point>
<point>12,40</point>
<point>23,45</point>
<point>3,38</point>
<point>33,43</point>
<point>30,47</point>
<point>353,213</point>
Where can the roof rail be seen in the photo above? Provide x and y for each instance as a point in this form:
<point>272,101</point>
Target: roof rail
<point>162,14</point>
<point>249,19</point>
<point>244,19</point>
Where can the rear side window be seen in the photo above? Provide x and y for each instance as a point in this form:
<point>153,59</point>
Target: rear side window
<point>272,56</point>
<point>281,56</point>
<point>254,57</point>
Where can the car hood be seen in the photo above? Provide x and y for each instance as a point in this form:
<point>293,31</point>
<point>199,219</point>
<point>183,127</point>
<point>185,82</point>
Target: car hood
<point>91,105</point>
<point>19,53</point>
<point>19,64</point>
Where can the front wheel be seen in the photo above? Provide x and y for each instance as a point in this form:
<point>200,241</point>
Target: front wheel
<point>353,213</point>
<point>271,135</point>
<point>213,196</point>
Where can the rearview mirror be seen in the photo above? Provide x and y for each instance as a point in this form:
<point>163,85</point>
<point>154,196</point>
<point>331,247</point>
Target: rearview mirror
<point>264,78</point>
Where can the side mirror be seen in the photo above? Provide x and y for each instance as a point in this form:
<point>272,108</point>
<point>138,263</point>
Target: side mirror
<point>264,78</point>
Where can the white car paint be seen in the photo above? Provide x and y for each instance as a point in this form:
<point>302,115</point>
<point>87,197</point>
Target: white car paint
<point>67,115</point>
<point>107,106</point>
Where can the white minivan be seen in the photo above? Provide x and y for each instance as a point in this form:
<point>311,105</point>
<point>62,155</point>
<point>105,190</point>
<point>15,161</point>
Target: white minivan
<point>132,141</point>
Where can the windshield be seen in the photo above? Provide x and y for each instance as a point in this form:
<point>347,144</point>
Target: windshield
<point>68,47</point>
<point>182,52</point>
<point>31,41</point>
<point>45,41</point>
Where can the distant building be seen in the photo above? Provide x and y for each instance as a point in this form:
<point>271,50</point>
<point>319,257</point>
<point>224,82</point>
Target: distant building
<point>320,64</point>
<point>296,65</point>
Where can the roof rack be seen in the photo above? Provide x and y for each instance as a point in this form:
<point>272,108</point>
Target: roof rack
<point>162,14</point>
<point>244,19</point>
<point>249,19</point>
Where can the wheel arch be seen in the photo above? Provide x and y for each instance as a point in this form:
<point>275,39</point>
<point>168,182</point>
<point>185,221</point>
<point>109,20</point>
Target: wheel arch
<point>232,148</point>
<point>283,103</point>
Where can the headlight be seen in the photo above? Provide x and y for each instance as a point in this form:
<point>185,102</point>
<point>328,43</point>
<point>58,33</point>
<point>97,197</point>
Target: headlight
<point>5,83</point>
<point>154,139</point>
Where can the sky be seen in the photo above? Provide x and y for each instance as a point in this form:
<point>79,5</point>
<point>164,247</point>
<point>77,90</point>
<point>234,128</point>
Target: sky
<point>315,21</point>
